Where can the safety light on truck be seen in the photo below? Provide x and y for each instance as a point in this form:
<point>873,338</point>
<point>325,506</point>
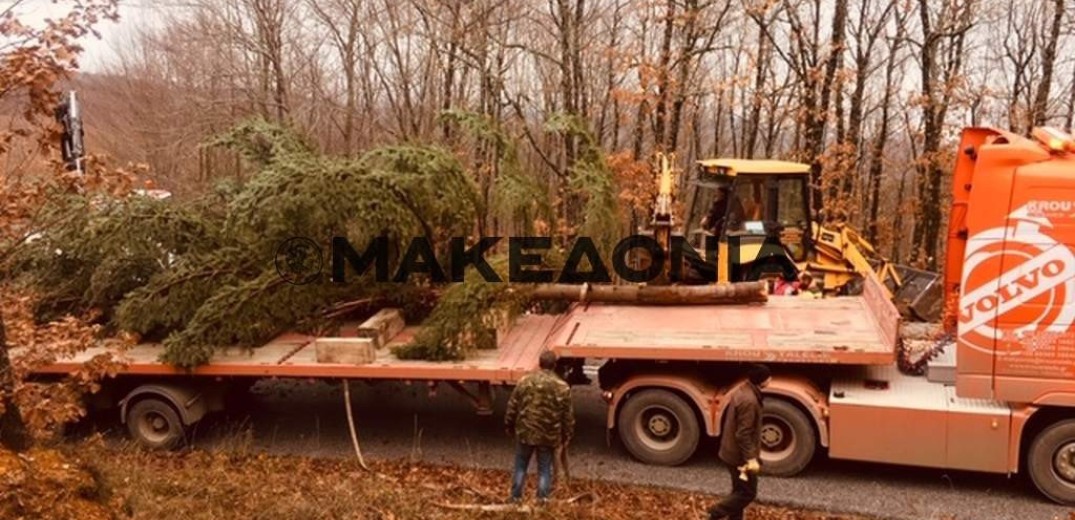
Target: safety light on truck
<point>1053,139</point>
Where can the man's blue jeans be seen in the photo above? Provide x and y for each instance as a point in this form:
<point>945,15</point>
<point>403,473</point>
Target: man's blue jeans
<point>523,454</point>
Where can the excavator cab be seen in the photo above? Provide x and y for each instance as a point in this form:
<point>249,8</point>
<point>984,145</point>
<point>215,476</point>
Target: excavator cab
<point>760,212</point>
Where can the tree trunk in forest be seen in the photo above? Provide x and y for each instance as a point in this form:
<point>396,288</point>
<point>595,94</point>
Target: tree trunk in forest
<point>816,96</point>
<point>937,90</point>
<point>816,136</point>
<point>1048,60</point>
<point>761,72</point>
<point>877,156</point>
<point>13,433</point>
<point>1069,118</point>
<point>897,224</point>
<point>567,18</point>
<point>663,87</point>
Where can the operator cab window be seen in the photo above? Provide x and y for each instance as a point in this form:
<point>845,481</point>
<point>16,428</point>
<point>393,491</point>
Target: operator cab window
<point>790,202</point>
<point>747,213</point>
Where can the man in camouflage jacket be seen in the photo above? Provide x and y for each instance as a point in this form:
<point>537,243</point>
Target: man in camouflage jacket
<point>541,417</point>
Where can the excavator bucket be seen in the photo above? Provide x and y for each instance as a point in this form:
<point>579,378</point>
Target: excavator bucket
<point>916,292</point>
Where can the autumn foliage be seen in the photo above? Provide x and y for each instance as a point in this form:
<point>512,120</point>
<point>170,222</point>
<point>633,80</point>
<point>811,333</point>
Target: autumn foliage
<point>34,60</point>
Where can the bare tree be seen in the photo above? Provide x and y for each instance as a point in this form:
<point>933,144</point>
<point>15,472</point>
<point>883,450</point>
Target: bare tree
<point>941,59</point>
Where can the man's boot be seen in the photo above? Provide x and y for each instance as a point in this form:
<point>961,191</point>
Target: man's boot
<point>716,513</point>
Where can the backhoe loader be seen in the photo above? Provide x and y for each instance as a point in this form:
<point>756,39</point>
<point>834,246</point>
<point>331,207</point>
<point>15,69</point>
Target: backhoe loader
<point>760,215</point>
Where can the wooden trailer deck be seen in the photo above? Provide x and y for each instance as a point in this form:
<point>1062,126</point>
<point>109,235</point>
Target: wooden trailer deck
<point>784,330</point>
<point>292,355</point>
<point>858,330</point>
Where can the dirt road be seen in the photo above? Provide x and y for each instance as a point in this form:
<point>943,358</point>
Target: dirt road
<point>400,421</point>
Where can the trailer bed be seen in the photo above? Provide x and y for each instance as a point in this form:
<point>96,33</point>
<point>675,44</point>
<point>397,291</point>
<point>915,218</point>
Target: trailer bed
<point>859,330</point>
<point>293,355</point>
<point>844,330</point>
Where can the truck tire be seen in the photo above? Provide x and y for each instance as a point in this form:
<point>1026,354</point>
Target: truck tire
<point>659,427</point>
<point>788,440</point>
<point>1051,462</point>
<point>153,423</point>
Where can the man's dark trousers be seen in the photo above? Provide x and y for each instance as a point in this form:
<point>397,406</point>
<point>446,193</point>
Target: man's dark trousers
<point>743,493</point>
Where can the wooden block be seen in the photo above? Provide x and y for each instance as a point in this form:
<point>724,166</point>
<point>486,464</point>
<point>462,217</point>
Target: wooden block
<point>382,327</point>
<point>345,351</point>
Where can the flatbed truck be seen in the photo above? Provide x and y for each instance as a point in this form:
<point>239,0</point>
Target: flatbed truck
<point>998,398</point>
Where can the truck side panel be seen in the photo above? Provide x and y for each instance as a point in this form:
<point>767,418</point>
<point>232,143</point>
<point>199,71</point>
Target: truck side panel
<point>885,416</point>
<point>879,418</point>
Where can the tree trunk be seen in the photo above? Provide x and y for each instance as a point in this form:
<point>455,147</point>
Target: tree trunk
<point>1048,59</point>
<point>1069,119</point>
<point>937,91</point>
<point>663,87</point>
<point>877,156</point>
<point>13,433</point>
<point>897,224</point>
<point>761,72</point>
<point>819,117</point>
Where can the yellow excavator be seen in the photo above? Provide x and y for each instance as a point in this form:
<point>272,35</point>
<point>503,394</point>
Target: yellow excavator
<point>755,215</point>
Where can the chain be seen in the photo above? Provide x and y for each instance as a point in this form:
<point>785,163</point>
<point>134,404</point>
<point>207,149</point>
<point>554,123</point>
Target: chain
<point>917,367</point>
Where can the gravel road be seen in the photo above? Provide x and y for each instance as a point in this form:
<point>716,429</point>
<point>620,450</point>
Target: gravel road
<point>401,421</point>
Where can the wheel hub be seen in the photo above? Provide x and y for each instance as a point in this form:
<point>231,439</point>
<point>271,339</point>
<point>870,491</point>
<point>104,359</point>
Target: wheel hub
<point>771,435</point>
<point>154,426</point>
<point>658,428</point>
<point>660,425</point>
<point>777,439</point>
<point>1064,462</point>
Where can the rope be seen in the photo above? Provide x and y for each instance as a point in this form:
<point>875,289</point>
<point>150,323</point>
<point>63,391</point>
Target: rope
<point>351,423</point>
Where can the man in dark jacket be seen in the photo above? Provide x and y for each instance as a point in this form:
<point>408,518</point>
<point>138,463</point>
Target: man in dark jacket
<point>740,444</point>
<point>541,417</point>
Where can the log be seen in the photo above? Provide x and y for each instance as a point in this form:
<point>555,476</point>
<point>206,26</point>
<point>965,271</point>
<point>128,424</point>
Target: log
<point>720,293</point>
<point>382,327</point>
<point>486,508</point>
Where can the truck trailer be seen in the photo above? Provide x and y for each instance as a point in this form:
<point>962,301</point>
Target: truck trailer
<point>997,396</point>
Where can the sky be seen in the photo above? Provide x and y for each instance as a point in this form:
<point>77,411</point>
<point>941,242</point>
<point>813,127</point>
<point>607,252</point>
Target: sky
<point>99,53</point>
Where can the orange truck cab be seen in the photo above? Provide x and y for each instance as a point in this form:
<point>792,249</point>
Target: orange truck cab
<point>1000,401</point>
<point>1011,260</point>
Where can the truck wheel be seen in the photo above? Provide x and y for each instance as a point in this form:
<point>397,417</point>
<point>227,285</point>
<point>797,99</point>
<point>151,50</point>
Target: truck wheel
<point>658,427</point>
<point>1051,462</point>
<point>155,424</point>
<point>788,440</point>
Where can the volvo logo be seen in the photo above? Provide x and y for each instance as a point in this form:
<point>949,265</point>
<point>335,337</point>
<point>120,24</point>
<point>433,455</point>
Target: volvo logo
<point>1016,281</point>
